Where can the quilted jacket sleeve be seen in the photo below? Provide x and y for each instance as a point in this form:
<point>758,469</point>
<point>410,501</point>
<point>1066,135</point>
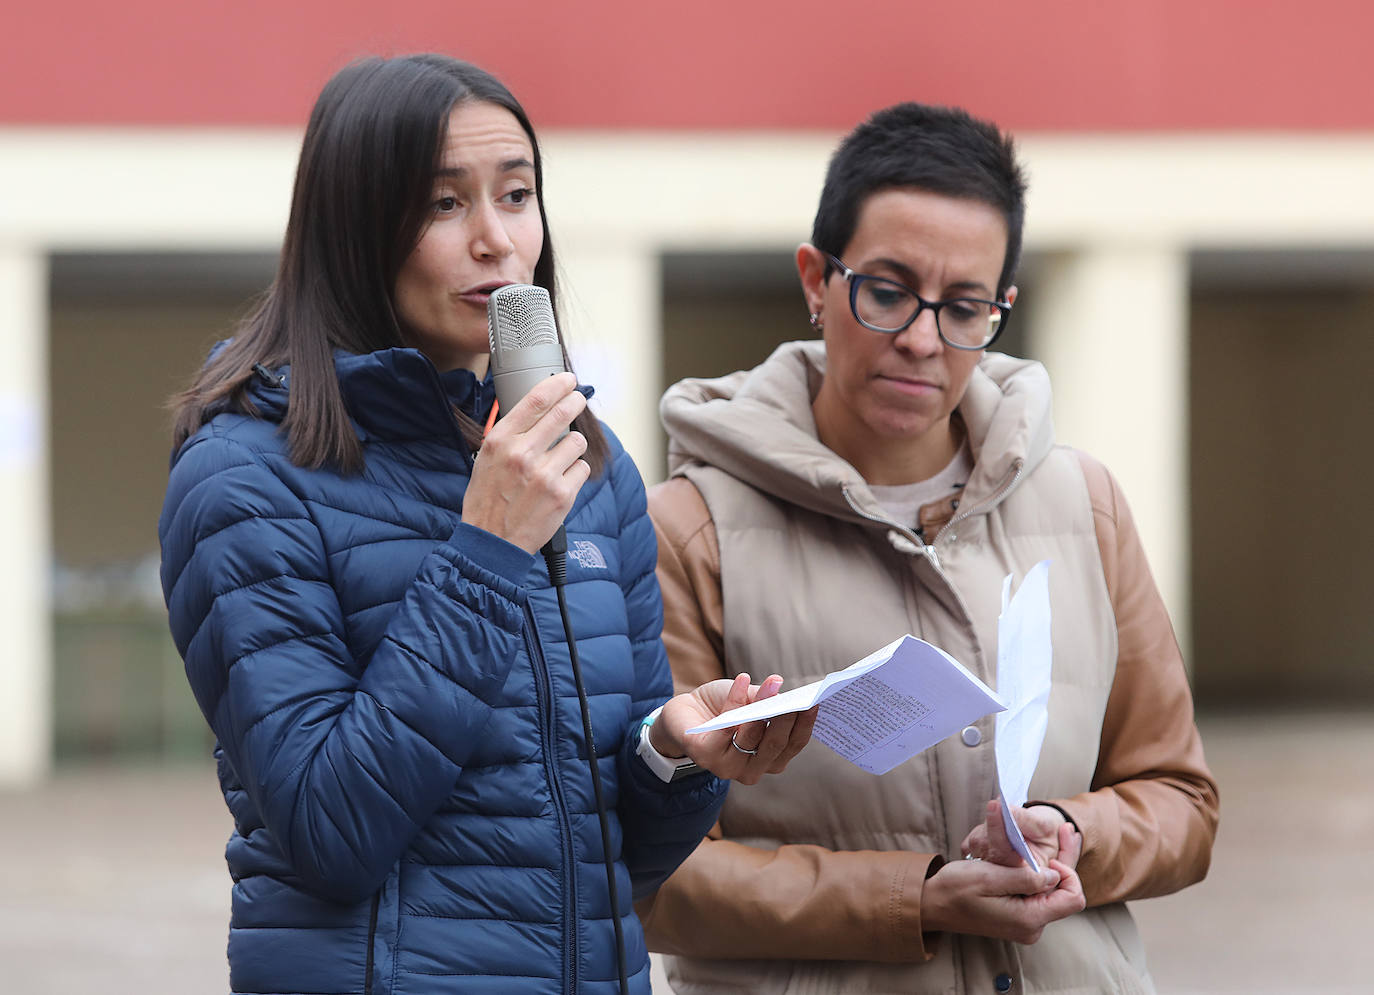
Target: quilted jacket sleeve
<point>662,822</point>
<point>343,763</point>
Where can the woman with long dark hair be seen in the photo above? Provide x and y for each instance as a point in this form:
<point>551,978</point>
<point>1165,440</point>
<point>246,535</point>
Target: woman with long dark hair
<point>380,654</point>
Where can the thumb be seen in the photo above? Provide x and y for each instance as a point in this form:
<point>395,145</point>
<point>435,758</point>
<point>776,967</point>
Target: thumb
<point>1070,844</point>
<point>1050,877</point>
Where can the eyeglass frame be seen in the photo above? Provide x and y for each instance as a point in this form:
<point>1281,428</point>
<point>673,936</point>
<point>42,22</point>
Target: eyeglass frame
<point>854,279</point>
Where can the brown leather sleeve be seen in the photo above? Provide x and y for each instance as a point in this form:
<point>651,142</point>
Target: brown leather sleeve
<point>1150,819</point>
<point>689,576</point>
<point>729,900</point>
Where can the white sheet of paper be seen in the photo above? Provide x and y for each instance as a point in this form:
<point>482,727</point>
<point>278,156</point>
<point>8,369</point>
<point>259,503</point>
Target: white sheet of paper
<point>883,710</point>
<point>1024,665</point>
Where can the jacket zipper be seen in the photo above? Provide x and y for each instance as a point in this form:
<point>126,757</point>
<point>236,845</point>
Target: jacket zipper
<point>569,962</point>
<point>459,442</point>
<point>543,688</point>
<point>371,940</point>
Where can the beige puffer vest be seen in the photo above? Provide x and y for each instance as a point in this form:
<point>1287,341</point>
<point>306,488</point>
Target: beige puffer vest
<point>811,588</point>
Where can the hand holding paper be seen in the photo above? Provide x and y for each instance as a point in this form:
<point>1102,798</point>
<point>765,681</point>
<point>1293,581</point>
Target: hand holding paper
<point>745,754</point>
<point>886,708</point>
<point>1044,831</point>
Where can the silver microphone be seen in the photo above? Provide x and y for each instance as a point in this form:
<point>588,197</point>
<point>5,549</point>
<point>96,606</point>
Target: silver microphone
<point>524,351</point>
<point>524,341</point>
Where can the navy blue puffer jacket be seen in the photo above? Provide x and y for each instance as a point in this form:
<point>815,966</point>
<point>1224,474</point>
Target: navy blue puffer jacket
<point>399,738</point>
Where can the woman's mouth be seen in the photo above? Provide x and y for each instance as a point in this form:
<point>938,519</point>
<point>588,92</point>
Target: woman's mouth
<point>481,293</point>
<point>913,386</point>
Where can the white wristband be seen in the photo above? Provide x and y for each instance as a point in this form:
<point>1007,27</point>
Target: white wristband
<point>667,769</point>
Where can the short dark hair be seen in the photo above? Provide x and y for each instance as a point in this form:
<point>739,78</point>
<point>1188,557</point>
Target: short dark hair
<point>943,150</point>
<point>361,202</point>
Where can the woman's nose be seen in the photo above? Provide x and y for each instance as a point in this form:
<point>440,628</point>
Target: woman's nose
<point>490,238</point>
<point>922,336</point>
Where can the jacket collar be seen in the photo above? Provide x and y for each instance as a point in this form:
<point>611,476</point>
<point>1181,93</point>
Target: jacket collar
<point>393,395</point>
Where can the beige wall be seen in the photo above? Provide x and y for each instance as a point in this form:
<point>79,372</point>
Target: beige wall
<point>25,606</point>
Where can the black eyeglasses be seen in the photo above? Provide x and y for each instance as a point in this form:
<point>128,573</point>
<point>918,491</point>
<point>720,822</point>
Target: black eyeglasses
<point>887,306</point>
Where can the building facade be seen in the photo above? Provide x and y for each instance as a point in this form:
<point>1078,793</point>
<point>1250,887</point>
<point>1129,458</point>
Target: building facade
<point>1199,275</point>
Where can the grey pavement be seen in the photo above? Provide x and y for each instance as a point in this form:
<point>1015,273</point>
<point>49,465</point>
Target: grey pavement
<point>112,879</point>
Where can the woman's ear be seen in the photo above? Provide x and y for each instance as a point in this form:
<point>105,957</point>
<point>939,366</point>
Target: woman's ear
<point>1010,297</point>
<point>811,268</point>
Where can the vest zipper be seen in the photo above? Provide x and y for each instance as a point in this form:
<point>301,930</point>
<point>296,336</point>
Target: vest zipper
<point>543,688</point>
<point>1007,484</point>
<point>925,548</point>
<point>928,549</point>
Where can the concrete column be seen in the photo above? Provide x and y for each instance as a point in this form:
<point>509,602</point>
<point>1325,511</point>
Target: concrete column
<point>1111,324</point>
<point>611,304</point>
<point>25,611</point>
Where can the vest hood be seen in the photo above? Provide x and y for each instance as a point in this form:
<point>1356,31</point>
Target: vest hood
<point>757,425</point>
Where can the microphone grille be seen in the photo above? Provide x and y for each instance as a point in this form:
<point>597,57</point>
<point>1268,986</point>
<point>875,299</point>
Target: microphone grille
<point>520,316</point>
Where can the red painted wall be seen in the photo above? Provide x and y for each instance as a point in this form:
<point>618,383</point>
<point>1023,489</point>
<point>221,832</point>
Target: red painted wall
<point>1051,65</point>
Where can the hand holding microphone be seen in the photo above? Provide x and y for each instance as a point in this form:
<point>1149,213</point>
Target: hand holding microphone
<point>530,470</point>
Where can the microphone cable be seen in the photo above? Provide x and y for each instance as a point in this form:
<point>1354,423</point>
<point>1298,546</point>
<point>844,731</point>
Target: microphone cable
<point>556,559</point>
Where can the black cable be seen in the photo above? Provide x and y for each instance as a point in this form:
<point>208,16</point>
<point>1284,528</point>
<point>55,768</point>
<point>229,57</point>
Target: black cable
<point>555,557</point>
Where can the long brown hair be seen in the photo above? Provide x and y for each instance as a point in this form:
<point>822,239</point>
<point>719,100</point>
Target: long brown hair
<point>360,204</point>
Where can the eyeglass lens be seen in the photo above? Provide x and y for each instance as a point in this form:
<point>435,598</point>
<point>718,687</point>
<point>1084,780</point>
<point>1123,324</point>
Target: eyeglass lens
<point>890,307</point>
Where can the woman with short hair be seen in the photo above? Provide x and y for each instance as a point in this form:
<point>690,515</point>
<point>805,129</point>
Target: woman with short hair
<point>884,480</point>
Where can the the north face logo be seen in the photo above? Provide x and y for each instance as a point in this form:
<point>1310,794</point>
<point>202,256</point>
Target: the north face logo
<point>587,555</point>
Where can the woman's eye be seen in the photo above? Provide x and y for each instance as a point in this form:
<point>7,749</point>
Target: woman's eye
<point>966,311</point>
<point>520,196</point>
<point>446,204</point>
<point>887,296</point>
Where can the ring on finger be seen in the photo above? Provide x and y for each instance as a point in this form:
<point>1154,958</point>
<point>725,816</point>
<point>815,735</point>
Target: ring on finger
<point>735,743</point>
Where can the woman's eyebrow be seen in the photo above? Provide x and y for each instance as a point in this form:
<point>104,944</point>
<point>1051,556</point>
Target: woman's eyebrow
<point>505,166</point>
<point>972,285</point>
<point>904,272</point>
<point>912,278</point>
